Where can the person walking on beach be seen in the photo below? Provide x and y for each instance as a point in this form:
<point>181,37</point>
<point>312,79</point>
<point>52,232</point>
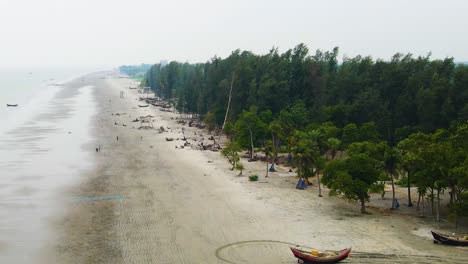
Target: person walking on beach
<point>117,138</point>
<point>97,149</point>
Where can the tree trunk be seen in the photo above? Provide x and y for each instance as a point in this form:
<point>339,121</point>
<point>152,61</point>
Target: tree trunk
<point>432,201</point>
<point>266,167</point>
<point>423,208</point>
<point>229,103</point>
<point>273,144</point>
<point>410,204</point>
<point>363,206</point>
<point>251,144</point>
<point>299,169</point>
<point>214,143</point>
<point>453,194</point>
<point>393,192</point>
<point>419,200</point>
<point>318,182</point>
<point>438,206</point>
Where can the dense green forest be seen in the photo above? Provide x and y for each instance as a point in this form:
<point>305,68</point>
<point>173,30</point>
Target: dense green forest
<point>403,117</point>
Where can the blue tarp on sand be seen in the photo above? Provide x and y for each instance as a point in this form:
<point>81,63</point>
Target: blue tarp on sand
<point>301,184</point>
<point>272,168</point>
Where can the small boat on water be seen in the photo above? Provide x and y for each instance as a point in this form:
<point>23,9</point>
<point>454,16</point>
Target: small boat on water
<point>452,240</point>
<point>11,105</point>
<point>315,256</point>
<point>143,105</point>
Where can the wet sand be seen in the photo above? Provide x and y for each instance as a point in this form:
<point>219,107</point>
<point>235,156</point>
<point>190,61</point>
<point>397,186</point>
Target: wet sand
<point>177,205</point>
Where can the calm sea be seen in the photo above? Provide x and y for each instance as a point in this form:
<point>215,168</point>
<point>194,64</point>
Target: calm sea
<point>41,153</point>
<point>30,88</point>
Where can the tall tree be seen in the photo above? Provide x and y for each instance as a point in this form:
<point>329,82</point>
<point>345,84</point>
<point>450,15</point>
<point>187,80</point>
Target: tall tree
<point>351,178</point>
<point>250,122</point>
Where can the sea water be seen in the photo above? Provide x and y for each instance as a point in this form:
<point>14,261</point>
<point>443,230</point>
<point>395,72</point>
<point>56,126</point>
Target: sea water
<point>41,154</point>
<point>31,88</point>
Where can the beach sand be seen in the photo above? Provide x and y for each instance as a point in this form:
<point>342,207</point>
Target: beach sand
<point>170,205</point>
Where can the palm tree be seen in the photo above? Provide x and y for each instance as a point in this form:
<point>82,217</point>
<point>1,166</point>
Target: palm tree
<point>302,153</point>
<point>307,154</point>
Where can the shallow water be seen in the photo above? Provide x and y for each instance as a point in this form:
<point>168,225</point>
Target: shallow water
<point>38,159</point>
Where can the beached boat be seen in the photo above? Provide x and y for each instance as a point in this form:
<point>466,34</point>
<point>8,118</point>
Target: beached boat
<point>143,105</point>
<point>169,139</point>
<point>315,256</point>
<point>11,105</point>
<point>452,240</point>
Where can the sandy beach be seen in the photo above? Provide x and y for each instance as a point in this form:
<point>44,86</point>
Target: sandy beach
<point>146,200</point>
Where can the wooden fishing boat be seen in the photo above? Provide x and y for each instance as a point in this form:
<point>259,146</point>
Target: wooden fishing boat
<point>452,240</point>
<point>11,105</point>
<point>315,256</point>
<point>143,105</point>
<point>169,139</point>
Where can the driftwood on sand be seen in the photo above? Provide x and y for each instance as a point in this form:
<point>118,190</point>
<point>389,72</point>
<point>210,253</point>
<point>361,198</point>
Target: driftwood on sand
<point>146,122</point>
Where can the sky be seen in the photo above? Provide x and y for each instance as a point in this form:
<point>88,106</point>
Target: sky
<point>116,32</point>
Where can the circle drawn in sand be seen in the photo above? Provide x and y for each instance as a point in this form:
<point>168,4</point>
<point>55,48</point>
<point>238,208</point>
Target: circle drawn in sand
<point>272,251</point>
<point>256,251</point>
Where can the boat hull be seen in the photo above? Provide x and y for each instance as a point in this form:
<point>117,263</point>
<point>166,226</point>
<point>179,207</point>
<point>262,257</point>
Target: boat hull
<point>444,239</point>
<point>308,258</point>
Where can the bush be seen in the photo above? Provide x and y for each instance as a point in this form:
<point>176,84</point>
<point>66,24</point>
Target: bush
<point>253,177</point>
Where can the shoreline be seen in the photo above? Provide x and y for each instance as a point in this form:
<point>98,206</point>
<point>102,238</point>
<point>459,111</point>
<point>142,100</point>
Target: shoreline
<point>184,205</point>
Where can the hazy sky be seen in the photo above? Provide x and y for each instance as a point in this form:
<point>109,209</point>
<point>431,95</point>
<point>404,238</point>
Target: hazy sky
<point>113,32</point>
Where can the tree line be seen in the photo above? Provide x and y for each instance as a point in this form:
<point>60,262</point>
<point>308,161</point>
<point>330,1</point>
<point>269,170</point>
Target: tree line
<point>404,116</point>
<point>135,71</point>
